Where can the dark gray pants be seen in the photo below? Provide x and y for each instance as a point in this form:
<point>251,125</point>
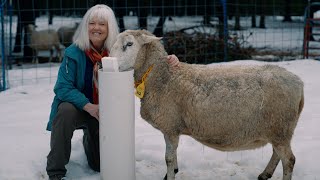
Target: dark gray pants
<point>67,120</point>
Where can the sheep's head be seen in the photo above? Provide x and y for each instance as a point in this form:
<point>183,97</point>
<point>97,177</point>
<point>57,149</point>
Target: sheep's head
<point>31,28</point>
<point>128,45</point>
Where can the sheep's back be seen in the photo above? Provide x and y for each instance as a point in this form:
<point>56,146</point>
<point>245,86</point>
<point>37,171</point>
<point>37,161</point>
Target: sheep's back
<point>66,35</point>
<point>236,103</point>
<point>44,40</point>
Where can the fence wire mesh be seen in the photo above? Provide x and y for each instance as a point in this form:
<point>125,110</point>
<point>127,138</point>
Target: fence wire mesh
<point>196,31</point>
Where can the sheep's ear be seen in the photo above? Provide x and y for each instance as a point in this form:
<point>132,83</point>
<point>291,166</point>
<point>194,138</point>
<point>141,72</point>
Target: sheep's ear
<point>145,39</point>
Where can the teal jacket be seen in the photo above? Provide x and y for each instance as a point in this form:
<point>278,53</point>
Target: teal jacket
<point>70,81</point>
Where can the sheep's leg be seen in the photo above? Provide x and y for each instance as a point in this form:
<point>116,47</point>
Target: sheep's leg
<point>51,54</point>
<point>269,170</point>
<point>60,55</point>
<point>35,56</point>
<point>171,156</point>
<point>287,158</point>
<point>58,52</point>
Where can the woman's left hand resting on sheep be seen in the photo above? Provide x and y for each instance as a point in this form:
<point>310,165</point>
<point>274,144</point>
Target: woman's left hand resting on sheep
<point>173,61</point>
<point>75,104</point>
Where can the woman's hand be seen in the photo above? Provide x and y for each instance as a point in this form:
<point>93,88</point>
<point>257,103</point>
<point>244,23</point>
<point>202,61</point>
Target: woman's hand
<point>173,61</point>
<point>92,109</point>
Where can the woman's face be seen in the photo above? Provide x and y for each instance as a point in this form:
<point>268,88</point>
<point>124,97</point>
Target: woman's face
<point>98,32</point>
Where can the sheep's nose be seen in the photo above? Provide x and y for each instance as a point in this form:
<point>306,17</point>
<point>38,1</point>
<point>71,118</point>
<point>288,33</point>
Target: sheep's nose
<point>124,47</point>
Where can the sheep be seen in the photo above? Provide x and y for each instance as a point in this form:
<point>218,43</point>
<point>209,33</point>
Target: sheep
<point>225,107</point>
<point>66,33</point>
<point>44,40</point>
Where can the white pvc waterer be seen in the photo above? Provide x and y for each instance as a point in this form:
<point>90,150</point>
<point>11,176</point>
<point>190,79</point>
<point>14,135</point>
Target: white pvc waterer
<point>116,123</point>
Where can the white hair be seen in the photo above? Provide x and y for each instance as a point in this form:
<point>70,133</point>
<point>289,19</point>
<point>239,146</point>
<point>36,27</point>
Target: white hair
<point>102,12</point>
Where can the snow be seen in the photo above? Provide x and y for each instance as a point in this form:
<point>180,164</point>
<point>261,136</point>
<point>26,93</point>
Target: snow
<point>24,141</point>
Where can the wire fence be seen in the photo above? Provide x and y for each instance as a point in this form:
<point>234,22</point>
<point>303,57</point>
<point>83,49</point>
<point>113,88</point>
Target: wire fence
<point>202,31</point>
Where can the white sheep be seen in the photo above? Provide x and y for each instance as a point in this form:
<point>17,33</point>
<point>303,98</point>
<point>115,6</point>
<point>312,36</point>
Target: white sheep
<point>66,34</point>
<point>44,40</point>
<point>225,107</point>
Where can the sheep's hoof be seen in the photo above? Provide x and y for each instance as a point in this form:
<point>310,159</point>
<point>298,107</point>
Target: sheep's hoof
<point>264,176</point>
<point>175,172</point>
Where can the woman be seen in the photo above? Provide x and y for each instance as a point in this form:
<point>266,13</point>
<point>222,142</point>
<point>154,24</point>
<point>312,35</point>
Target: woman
<point>75,104</point>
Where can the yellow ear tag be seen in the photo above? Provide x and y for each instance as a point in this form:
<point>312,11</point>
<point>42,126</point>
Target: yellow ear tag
<point>140,90</point>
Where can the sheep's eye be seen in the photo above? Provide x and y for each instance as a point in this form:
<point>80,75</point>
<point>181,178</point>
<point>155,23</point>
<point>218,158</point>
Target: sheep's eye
<point>124,47</point>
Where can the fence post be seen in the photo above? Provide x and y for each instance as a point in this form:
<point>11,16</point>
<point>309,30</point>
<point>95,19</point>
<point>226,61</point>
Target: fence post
<point>225,29</point>
<point>3,57</point>
<point>10,34</point>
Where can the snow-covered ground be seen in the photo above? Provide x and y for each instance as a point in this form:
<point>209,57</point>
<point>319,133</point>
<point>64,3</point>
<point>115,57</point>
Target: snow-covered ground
<point>25,142</point>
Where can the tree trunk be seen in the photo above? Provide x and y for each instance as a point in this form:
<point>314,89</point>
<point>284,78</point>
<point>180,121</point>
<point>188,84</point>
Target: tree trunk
<point>253,12</point>
<point>287,11</point>
<point>253,21</point>
<point>237,25</point>
<point>262,23</point>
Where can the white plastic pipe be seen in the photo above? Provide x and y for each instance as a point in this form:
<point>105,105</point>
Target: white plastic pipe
<point>116,124</point>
